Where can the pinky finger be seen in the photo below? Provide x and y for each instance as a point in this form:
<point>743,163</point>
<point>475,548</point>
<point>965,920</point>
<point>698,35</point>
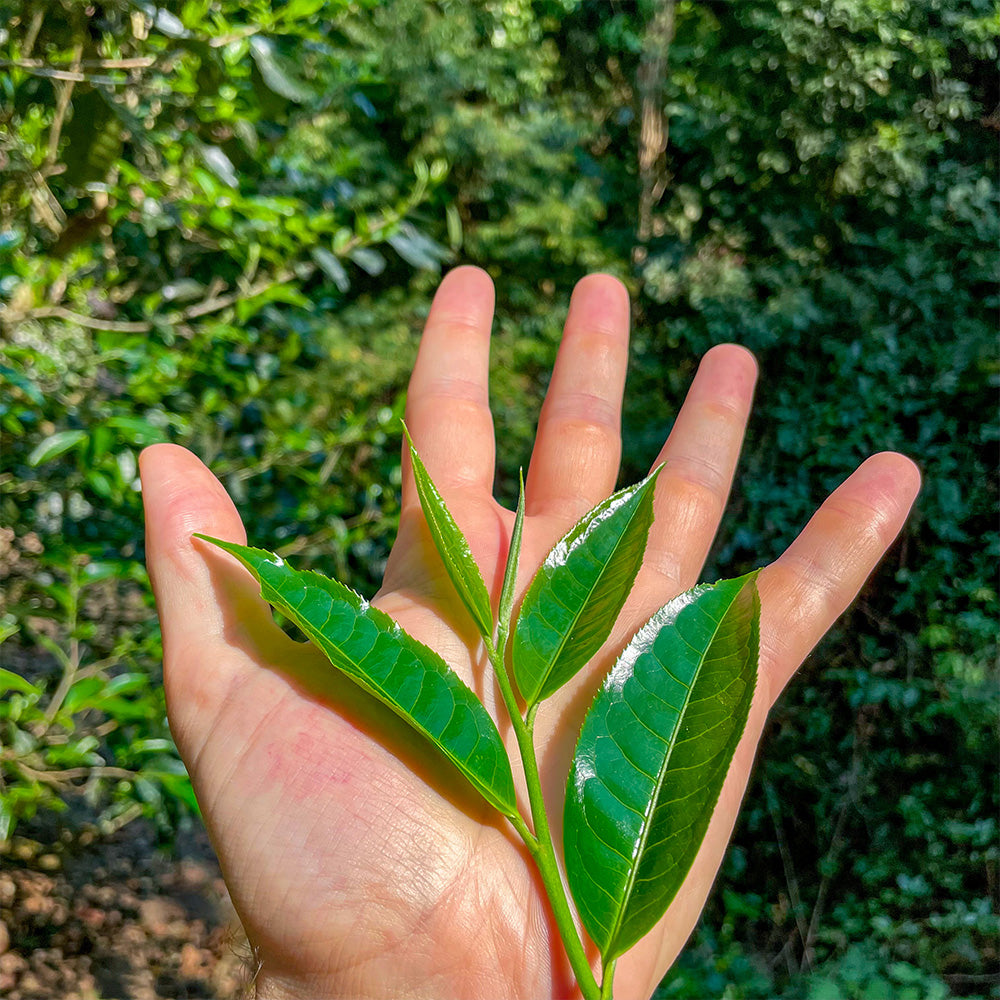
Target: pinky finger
<point>808,587</point>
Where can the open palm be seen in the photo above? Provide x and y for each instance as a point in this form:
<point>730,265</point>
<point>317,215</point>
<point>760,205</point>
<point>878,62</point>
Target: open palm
<point>359,864</point>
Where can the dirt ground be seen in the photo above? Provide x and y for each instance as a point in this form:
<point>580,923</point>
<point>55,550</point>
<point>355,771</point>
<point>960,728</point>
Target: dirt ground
<point>88,918</point>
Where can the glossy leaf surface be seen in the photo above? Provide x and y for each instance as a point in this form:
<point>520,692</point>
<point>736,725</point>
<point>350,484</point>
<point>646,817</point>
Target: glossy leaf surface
<point>453,548</point>
<point>652,757</point>
<point>571,604</point>
<point>513,557</point>
<point>371,649</point>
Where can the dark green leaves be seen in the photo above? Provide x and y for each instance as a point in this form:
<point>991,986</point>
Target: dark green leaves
<point>368,646</point>
<point>453,548</point>
<point>575,597</point>
<point>652,756</point>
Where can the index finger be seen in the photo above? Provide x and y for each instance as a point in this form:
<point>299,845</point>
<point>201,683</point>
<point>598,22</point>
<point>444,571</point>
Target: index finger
<point>447,407</point>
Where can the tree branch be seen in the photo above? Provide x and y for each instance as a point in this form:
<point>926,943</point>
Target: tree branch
<point>62,106</point>
<point>139,62</point>
<point>90,322</point>
<point>654,128</point>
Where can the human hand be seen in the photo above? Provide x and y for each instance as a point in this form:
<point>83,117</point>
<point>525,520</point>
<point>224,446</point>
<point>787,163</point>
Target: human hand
<point>357,876</point>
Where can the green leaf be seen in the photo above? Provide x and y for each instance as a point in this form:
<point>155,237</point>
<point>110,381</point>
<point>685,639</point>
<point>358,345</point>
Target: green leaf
<point>417,249</point>
<point>452,547</point>
<point>55,445</point>
<point>279,73</point>
<point>137,431</point>
<point>652,757</point>
<point>22,381</point>
<point>572,603</point>
<point>510,571</point>
<point>332,268</point>
<point>7,819</point>
<point>8,627</point>
<point>371,649</point>
<point>369,260</point>
<point>220,165</point>
<point>9,681</point>
<point>82,695</point>
<point>454,221</point>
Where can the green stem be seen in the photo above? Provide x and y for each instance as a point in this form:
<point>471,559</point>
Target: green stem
<point>540,845</point>
<point>607,979</point>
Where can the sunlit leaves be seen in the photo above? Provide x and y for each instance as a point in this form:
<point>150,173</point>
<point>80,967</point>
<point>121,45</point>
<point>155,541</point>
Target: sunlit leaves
<point>278,72</point>
<point>653,753</point>
<point>657,742</point>
<point>507,589</point>
<point>453,548</point>
<point>575,597</point>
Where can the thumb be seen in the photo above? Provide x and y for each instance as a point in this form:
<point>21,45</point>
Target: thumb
<point>198,597</point>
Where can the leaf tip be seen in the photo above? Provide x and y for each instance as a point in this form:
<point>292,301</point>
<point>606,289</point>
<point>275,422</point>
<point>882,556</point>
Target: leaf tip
<point>208,538</point>
<point>407,436</point>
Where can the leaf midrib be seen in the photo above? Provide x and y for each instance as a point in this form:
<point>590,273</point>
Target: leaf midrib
<point>359,677</point>
<point>647,825</point>
<point>431,512</point>
<point>576,617</point>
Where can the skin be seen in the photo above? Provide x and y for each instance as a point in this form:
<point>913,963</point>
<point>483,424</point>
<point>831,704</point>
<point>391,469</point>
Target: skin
<point>359,866</point>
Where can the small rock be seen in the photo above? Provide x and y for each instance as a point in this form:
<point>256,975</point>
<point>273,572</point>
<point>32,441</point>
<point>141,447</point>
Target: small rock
<point>25,849</point>
<point>11,963</point>
<point>194,961</point>
<point>128,900</point>
<point>8,890</point>
<point>4,937</point>
<point>193,874</point>
<point>103,895</point>
<point>49,862</point>
<point>158,913</point>
<point>37,906</point>
<point>91,916</point>
<point>131,936</point>
<point>30,983</point>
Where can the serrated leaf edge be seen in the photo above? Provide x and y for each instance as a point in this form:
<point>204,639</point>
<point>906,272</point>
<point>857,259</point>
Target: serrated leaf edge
<point>670,612</point>
<point>560,552</point>
<point>381,618</point>
<point>464,571</point>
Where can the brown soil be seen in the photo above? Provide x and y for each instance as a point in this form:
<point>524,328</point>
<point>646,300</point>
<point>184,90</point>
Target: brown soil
<point>98,919</point>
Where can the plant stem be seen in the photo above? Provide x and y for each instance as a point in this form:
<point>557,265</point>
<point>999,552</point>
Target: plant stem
<point>607,979</point>
<point>540,845</point>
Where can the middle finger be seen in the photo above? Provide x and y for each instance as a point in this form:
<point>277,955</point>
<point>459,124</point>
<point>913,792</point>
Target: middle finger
<point>574,463</point>
<point>699,460</point>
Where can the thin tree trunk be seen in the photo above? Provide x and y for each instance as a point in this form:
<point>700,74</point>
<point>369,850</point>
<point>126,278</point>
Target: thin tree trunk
<point>654,125</point>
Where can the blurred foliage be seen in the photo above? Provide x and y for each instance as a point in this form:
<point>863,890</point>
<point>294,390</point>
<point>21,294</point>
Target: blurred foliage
<point>220,225</point>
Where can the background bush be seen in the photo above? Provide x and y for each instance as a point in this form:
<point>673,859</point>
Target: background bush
<point>221,225</point>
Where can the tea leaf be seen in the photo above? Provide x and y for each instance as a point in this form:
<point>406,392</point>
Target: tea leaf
<point>573,601</point>
<point>452,547</point>
<point>371,649</point>
<point>510,571</point>
<point>55,445</point>
<point>652,757</point>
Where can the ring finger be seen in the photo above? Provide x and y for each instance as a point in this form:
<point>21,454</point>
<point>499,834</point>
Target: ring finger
<point>699,460</point>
